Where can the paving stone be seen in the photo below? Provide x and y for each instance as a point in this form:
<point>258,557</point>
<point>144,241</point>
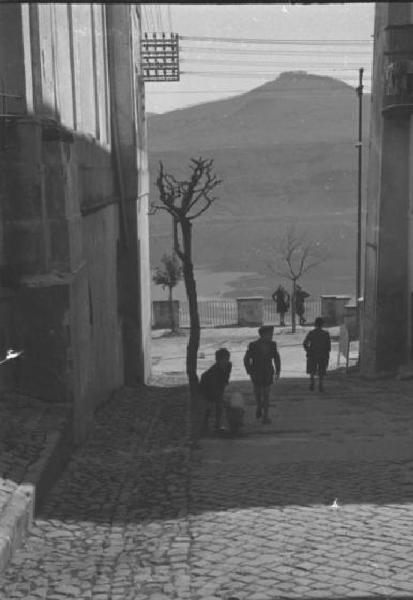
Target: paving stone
<point>138,518</point>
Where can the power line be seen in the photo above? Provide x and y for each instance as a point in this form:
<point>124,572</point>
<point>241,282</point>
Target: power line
<point>267,52</point>
<point>163,17</point>
<point>333,67</point>
<point>243,91</point>
<point>145,18</point>
<point>146,9</point>
<point>239,74</point>
<point>158,17</point>
<point>253,73</point>
<point>153,13</point>
<point>273,41</point>
<point>150,17</point>
<point>170,18</point>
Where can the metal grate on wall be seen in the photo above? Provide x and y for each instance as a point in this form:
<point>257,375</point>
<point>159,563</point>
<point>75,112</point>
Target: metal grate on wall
<point>160,57</point>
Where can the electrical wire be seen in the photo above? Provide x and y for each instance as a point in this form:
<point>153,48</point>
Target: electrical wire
<point>145,18</point>
<point>273,41</point>
<point>334,67</point>
<point>255,91</point>
<point>270,52</point>
<point>164,18</point>
<point>153,13</point>
<point>239,74</point>
<point>150,17</point>
<point>158,16</point>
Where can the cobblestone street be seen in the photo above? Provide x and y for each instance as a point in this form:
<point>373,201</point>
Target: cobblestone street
<point>136,517</point>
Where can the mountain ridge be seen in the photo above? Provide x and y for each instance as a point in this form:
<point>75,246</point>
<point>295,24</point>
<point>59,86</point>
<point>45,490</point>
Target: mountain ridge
<point>289,154</point>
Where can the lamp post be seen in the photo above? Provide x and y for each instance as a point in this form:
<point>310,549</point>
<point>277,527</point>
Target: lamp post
<point>359,146</point>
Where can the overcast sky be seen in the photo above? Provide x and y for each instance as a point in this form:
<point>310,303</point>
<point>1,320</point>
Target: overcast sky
<point>257,62</point>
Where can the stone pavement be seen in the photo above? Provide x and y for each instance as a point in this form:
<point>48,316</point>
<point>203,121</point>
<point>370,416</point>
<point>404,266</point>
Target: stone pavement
<point>30,452</point>
<point>262,521</point>
<point>136,517</point>
<point>115,525</point>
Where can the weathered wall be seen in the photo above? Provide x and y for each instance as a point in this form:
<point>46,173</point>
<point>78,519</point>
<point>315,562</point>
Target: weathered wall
<point>87,237</point>
<point>64,247</point>
<point>12,68</point>
<point>386,313</point>
<point>25,231</point>
<point>145,305</point>
<point>12,94</point>
<point>66,262</point>
<point>129,139</point>
<point>368,343</point>
<point>392,259</point>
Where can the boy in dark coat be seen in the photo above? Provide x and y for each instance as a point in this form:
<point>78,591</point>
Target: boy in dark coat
<point>317,345</point>
<point>300,296</point>
<point>212,386</point>
<point>261,361</point>
<point>282,299</point>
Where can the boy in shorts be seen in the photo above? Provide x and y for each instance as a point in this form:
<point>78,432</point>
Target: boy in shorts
<point>317,345</point>
<point>261,362</point>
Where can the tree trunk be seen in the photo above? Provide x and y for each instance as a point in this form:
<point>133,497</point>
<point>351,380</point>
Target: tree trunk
<point>194,328</point>
<point>171,310</point>
<point>194,331</point>
<point>293,305</point>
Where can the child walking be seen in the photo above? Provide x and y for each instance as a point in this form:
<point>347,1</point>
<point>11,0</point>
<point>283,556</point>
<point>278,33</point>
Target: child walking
<point>212,386</point>
<point>261,362</point>
<point>317,345</point>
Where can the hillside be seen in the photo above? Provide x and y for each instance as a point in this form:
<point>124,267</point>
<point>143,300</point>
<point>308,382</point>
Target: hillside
<point>286,153</point>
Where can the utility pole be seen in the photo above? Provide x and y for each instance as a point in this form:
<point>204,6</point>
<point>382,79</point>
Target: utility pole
<point>359,146</point>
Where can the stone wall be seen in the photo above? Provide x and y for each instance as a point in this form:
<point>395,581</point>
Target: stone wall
<point>78,278</point>
<point>386,311</point>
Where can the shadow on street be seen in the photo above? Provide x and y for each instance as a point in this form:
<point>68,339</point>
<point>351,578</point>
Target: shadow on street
<point>352,443</point>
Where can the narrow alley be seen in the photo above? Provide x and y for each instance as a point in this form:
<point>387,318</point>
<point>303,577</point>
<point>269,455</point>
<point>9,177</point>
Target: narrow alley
<point>138,516</point>
<point>303,182</point>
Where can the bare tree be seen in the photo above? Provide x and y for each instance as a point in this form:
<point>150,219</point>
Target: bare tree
<point>186,200</point>
<point>294,256</point>
<point>168,276</point>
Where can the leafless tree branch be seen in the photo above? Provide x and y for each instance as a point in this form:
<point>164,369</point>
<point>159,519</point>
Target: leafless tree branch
<point>296,254</point>
<point>208,203</point>
<point>154,208</point>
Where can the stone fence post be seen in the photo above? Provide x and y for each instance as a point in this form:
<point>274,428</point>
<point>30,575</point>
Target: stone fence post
<point>350,320</point>
<point>333,309</point>
<point>250,311</point>
<point>161,317</point>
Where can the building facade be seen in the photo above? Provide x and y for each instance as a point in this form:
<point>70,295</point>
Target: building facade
<point>387,332</point>
<point>74,261</point>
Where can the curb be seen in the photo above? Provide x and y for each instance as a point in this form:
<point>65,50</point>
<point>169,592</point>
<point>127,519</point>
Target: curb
<point>17,517</point>
<point>15,522</point>
<point>43,473</point>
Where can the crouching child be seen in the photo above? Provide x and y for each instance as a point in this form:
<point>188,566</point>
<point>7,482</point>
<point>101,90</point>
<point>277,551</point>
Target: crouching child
<point>212,386</point>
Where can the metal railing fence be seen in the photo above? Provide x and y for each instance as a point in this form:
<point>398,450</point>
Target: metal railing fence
<point>221,312</point>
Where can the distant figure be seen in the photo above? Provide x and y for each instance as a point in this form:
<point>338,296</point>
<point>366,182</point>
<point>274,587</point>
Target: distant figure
<point>212,386</point>
<point>317,345</point>
<point>261,361</point>
<point>282,299</point>
<point>300,296</point>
